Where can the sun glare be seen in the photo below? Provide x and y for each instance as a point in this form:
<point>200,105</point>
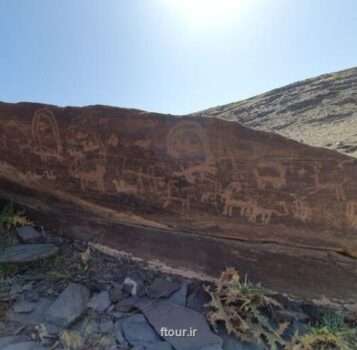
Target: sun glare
<point>206,12</point>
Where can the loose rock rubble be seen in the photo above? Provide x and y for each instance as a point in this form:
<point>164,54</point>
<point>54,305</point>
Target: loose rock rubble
<point>65,295</point>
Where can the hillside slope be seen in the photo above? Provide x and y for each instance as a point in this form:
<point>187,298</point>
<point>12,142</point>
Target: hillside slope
<point>321,111</point>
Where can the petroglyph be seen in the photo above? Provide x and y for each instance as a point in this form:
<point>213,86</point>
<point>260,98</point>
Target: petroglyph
<point>351,213</point>
<point>196,172</point>
<point>270,175</point>
<point>188,141</point>
<point>337,186</point>
<point>301,210</point>
<point>172,199</point>
<point>46,135</point>
<point>90,174</point>
<point>145,182</point>
<point>121,186</point>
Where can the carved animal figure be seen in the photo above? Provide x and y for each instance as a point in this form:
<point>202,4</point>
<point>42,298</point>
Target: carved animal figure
<point>274,181</point>
<point>199,171</point>
<point>91,176</point>
<point>122,186</point>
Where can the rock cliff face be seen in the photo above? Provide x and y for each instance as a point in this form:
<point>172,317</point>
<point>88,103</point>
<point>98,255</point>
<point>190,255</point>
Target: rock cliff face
<point>197,193</point>
<point>321,111</point>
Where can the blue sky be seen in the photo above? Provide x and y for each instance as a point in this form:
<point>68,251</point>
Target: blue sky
<point>167,55</point>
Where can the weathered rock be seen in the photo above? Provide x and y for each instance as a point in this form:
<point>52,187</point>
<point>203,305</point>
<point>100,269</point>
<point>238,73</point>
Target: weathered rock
<point>133,286</point>
<point>198,299</point>
<point>159,346</point>
<point>24,253</point>
<point>231,343</point>
<point>184,190</point>
<point>100,302</point>
<point>69,306</point>
<point>179,297</point>
<point>28,234</point>
<point>5,341</point>
<point>162,287</point>
<point>37,316</point>
<point>30,345</point>
<point>137,331</point>
<point>106,326</point>
<point>22,306</point>
<point>116,293</point>
<point>183,328</point>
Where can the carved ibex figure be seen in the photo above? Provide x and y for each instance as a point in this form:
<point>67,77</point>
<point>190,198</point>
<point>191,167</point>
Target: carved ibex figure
<point>276,182</point>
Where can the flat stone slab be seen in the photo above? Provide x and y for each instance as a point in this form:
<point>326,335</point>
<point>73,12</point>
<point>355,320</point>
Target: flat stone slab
<point>137,331</point>
<point>24,253</point>
<point>5,341</point>
<point>28,234</point>
<point>161,288</point>
<point>29,345</point>
<point>100,302</point>
<point>37,316</point>
<point>171,320</point>
<point>69,306</point>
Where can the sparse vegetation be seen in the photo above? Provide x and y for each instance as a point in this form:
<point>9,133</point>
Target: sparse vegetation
<point>243,309</point>
<point>332,333</point>
<point>10,217</point>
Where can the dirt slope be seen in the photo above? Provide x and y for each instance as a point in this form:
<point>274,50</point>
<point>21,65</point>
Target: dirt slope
<point>321,111</point>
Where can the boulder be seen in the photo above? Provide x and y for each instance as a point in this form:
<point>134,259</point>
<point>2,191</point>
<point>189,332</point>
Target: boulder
<point>193,193</point>
<point>69,305</point>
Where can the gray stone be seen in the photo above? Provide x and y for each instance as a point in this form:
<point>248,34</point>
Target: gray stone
<point>24,253</point>
<point>106,326</point>
<point>173,317</point>
<point>100,302</point>
<point>33,318</point>
<point>127,305</point>
<point>179,297</point>
<point>137,331</point>
<point>162,287</point>
<point>232,343</point>
<point>135,287</point>
<point>29,345</point>
<point>118,333</point>
<point>116,293</point>
<point>163,345</point>
<point>198,299</point>
<point>69,306</point>
<point>213,347</point>
<point>5,341</point>
<point>31,296</point>
<point>27,234</point>
<point>23,307</point>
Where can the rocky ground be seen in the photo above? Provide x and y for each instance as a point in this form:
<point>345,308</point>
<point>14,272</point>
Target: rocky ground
<point>62,294</point>
<point>320,111</point>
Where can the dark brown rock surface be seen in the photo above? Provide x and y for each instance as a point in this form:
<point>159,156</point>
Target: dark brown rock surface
<point>200,194</point>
